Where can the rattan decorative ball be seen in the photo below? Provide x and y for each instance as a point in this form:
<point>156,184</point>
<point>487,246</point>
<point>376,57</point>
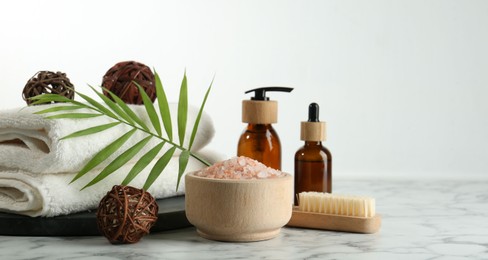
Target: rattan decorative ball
<point>126,214</point>
<point>120,80</point>
<point>48,82</point>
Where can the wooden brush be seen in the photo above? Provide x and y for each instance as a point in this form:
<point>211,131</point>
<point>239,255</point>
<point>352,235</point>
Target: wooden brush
<point>335,212</point>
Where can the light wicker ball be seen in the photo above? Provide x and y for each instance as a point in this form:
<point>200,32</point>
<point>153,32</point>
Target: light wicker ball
<point>48,82</point>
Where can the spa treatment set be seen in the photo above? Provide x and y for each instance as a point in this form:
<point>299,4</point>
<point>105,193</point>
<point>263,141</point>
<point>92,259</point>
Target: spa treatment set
<point>59,156</point>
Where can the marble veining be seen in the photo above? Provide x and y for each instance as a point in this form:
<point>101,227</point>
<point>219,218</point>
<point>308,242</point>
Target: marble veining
<point>420,220</point>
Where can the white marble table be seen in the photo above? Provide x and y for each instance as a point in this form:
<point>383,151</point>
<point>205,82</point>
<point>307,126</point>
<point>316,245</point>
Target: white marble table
<point>421,220</point>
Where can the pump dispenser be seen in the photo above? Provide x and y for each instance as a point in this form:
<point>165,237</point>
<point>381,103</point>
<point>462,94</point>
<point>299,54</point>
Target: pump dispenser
<point>259,140</point>
<point>313,162</point>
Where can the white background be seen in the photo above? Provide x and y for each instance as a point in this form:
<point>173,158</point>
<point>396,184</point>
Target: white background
<point>402,84</point>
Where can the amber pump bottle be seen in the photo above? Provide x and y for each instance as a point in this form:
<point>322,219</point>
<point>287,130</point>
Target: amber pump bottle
<point>259,140</point>
<point>313,162</point>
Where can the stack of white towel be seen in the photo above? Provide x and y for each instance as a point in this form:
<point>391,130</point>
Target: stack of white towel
<point>36,166</point>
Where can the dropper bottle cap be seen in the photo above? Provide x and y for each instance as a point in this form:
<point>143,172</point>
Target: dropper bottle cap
<point>261,110</point>
<point>313,130</point>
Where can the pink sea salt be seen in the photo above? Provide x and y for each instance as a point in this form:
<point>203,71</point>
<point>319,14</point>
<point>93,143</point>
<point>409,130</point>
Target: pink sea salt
<point>239,168</point>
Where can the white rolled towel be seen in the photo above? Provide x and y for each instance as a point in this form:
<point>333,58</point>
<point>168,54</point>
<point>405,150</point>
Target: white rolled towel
<point>51,195</point>
<point>31,143</point>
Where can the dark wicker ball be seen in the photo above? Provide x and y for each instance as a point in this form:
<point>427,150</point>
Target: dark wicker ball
<point>126,214</point>
<point>119,80</point>
<point>48,82</point>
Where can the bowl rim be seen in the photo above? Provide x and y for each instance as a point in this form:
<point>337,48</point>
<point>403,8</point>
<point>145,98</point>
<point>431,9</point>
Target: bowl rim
<point>285,177</point>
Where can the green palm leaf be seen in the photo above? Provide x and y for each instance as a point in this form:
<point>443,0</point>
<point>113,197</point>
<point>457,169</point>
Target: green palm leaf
<point>48,98</point>
<point>119,161</point>
<point>91,130</point>
<point>182,109</point>
<point>46,95</point>
<point>94,103</point>
<point>163,106</point>
<point>159,167</point>
<point>104,154</point>
<point>142,163</point>
<point>117,110</point>
<point>53,97</point>
<point>58,108</point>
<point>151,112</point>
<point>113,107</point>
<point>183,162</point>
<point>74,115</point>
<point>127,110</point>
<point>197,120</point>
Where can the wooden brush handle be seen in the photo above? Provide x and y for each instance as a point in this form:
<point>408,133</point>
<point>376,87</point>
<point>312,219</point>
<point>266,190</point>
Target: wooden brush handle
<point>334,222</point>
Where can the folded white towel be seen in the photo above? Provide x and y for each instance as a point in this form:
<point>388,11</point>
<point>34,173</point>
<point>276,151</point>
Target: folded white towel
<point>31,143</point>
<point>51,194</point>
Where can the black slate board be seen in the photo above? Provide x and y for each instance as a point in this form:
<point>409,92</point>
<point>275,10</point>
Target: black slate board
<point>171,215</point>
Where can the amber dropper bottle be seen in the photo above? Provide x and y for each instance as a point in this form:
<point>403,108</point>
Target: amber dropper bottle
<point>259,140</point>
<point>313,162</point>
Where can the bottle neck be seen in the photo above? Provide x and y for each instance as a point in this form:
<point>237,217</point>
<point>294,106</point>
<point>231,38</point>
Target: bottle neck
<point>257,127</point>
<point>313,143</point>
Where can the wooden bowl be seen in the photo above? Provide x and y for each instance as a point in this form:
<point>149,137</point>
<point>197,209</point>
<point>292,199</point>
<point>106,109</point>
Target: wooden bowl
<point>238,210</point>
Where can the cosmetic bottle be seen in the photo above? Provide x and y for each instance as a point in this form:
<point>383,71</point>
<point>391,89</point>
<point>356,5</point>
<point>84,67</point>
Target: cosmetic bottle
<point>259,140</point>
<point>313,162</point>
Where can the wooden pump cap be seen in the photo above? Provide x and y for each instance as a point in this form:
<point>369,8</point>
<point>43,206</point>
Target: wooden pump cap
<point>259,111</point>
<point>312,131</point>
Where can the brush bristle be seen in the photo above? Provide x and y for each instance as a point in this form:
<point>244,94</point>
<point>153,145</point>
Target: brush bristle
<point>345,205</point>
